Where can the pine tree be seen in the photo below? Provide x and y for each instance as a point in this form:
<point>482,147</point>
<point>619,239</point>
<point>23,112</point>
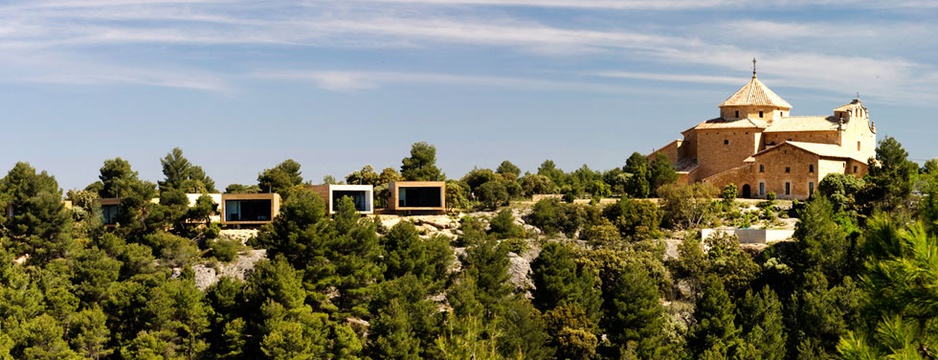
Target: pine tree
<point>487,263</point>
<point>822,243</point>
<point>761,321</point>
<point>572,332</point>
<point>405,323</point>
<point>353,250</point>
<point>182,175</point>
<point>405,252</point>
<point>421,165</point>
<point>635,317</point>
<point>558,279</point>
<point>176,307</point>
<point>900,282</point>
<point>37,222</point>
<point>715,333</point>
<point>637,185</point>
<point>91,334</point>
<point>294,233</point>
<point>523,331</point>
<point>281,179</point>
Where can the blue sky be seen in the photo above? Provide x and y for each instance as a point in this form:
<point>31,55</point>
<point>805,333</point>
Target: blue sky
<point>338,84</point>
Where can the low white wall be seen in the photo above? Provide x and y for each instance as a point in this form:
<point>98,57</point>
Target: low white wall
<point>750,236</point>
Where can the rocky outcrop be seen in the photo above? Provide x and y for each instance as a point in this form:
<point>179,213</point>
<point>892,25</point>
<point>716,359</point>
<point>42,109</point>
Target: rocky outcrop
<point>241,235</point>
<point>238,268</point>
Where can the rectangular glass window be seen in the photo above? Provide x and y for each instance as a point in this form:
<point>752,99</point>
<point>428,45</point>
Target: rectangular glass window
<point>810,168</point>
<point>810,188</point>
<point>761,189</point>
<point>110,213</point>
<point>761,168</point>
<point>360,198</point>
<point>420,197</point>
<point>248,210</point>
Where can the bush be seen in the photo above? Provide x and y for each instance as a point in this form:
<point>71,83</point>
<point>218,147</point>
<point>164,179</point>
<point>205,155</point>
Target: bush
<point>687,206</point>
<point>635,219</point>
<point>211,231</point>
<point>177,251</point>
<point>771,196</point>
<point>552,216</point>
<point>503,225</point>
<point>515,245</point>
<point>225,250</point>
<point>493,194</point>
<point>729,193</point>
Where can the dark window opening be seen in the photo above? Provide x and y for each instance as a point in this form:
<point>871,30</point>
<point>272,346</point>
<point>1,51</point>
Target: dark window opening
<point>810,188</point>
<point>854,169</point>
<point>247,210</point>
<point>787,188</point>
<point>737,113</point>
<point>760,114</point>
<point>419,197</point>
<point>810,168</point>
<point>358,197</point>
<point>761,168</point>
<point>761,189</point>
<point>110,214</point>
<point>787,169</point>
<point>726,141</point>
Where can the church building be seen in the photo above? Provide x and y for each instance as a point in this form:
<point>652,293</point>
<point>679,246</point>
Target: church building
<point>756,144</point>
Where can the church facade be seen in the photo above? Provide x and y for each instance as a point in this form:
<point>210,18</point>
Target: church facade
<point>757,145</point>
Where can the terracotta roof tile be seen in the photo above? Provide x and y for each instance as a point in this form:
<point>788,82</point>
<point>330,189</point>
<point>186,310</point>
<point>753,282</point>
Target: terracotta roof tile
<point>756,93</point>
<point>804,123</point>
<point>825,150</point>
<point>720,123</point>
<point>853,104</point>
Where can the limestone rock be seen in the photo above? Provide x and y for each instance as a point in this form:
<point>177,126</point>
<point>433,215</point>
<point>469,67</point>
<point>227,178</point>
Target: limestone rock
<point>239,268</point>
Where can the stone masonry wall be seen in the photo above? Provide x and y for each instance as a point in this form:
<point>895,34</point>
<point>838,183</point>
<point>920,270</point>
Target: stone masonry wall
<point>719,150</point>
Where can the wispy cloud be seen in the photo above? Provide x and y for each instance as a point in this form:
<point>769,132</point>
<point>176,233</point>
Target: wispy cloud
<point>585,4</point>
<point>78,41</point>
<point>699,79</point>
<point>670,5</point>
<point>363,80</point>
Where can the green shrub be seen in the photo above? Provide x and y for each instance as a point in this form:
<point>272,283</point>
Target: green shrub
<point>770,196</point>
<point>515,245</point>
<point>503,225</point>
<point>225,250</point>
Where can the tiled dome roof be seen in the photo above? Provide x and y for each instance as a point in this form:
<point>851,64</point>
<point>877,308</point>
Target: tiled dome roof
<point>755,93</point>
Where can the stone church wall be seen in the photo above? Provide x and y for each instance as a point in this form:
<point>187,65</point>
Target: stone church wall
<point>788,164</point>
<point>820,137</point>
<point>719,150</point>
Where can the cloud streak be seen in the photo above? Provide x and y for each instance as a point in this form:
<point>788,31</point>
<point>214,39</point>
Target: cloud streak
<point>667,5</point>
<point>77,42</point>
<point>364,80</point>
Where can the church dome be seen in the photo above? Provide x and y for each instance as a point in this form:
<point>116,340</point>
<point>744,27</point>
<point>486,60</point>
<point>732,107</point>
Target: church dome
<point>755,93</point>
